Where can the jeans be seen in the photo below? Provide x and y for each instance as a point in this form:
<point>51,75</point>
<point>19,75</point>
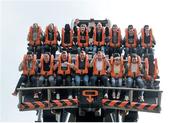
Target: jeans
<point>52,49</point>
<point>24,79</point>
<point>147,51</point>
<point>130,51</point>
<point>67,79</point>
<point>138,81</point>
<point>116,82</point>
<point>114,50</point>
<point>95,48</point>
<point>50,79</point>
<point>103,79</point>
<point>86,49</point>
<point>78,80</point>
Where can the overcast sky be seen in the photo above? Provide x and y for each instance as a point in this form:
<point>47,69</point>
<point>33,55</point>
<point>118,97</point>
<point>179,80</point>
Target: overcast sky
<point>162,16</point>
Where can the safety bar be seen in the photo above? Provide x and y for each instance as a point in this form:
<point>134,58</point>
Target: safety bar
<point>87,87</point>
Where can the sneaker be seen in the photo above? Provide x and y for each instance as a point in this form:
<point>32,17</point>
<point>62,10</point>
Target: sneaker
<point>70,97</point>
<point>54,92</point>
<point>126,98</point>
<point>141,98</point>
<point>14,93</point>
<point>98,112</point>
<point>113,95</point>
<point>53,111</point>
<point>118,95</point>
<point>36,96</point>
<point>57,96</point>
<point>23,85</point>
<point>106,95</point>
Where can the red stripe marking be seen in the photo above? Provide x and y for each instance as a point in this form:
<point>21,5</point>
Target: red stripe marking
<point>67,102</point>
<point>104,101</point>
<point>21,106</point>
<point>112,103</point>
<point>152,107</point>
<point>47,102</point>
<point>133,104</point>
<point>75,100</point>
<point>41,105</point>
<point>124,103</point>
<point>142,105</point>
<point>30,105</point>
<point>58,103</point>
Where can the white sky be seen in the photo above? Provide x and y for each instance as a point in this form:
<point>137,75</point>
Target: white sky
<point>161,15</point>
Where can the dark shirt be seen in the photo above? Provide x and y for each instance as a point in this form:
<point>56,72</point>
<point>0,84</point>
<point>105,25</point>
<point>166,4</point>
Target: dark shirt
<point>131,39</point>
<point>82,64</point>
<point>98,36</point>
<point>46,66</point>
<point>115,37</point>
<point>67,37</point>
<point>51,36</point>
<point>146,39</point>
<point>91,32</point>
<point>83,37</point>
<point>107,31</point>
<point>75,30</point>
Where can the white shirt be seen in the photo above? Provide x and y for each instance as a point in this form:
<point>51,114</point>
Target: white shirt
<point>63,65</point>
<point>134,67</point>
<point>99,65</point>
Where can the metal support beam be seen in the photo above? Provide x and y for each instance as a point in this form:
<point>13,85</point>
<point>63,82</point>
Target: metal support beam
<point>20,97</point>
<point>88,87</point>
<point>39,113</point>
<point>49,94</point>
<point>159,98</point>
<point>131,95</point>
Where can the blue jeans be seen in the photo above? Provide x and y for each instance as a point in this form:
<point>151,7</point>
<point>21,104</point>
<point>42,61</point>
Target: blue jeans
<point>116,82</point>
<point>86,49</point>
<point>50,79</point>
<point>138,81</point>
<point>129,51</point>
<point>95,48</point>
<point>78,80</point>
<point>104,81</point>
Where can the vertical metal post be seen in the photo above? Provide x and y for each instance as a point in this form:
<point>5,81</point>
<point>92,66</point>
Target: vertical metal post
<point>159,98</point>
<point>49,96</point>
<point>112,118</point>
<point>131,95</point>
<point>117,117</point>
<point>58,117</point>
<point>39,115</point>
<point>20,97</point>
<point>66,118</point>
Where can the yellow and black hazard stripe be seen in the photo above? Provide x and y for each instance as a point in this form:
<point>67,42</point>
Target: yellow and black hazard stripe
<point>128,105</point>
<point>33,105</point>
<point>64,102</point>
